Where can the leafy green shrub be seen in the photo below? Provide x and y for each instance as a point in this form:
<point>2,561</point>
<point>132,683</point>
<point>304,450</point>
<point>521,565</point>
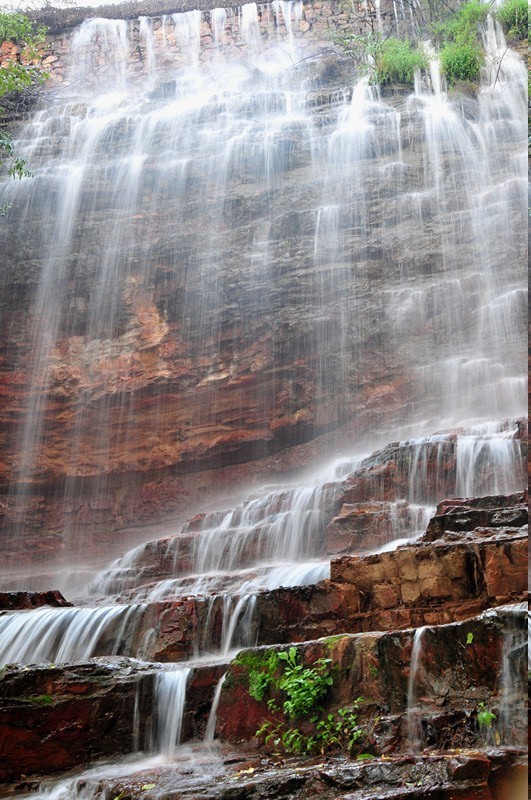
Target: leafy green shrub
<point>462,53</point>
<point>15,77</point>
<point>304,688</point>
<point>461,62</point>
<point>462,26</point>
<point>513,17</point>
<point>339,731</point>
<point>397,62</point>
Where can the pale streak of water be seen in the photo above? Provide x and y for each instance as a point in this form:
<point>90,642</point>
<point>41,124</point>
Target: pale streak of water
<point>414,713</point>
<point>210,729</point>
<point>169,698</point>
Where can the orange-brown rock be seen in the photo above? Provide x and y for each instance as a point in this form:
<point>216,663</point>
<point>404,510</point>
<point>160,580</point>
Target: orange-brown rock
<point>53,718</point>
<point>366,526</point>
<point>423,584</point>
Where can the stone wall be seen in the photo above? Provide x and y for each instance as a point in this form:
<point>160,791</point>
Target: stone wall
<point>311,23</point>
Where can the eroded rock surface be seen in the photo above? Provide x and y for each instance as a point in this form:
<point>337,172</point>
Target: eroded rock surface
<point>15,601</point>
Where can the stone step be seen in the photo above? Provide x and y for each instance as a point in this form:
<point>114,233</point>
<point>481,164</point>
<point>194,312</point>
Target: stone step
<point>54,718</point>
<point>425,583</point>
<point>444,465</point>
<point>458,667</point>
<point>458,775</point>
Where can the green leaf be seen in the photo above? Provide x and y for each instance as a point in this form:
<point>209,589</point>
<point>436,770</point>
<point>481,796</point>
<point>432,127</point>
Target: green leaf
<point>148,786</point>
<point>469,638</point>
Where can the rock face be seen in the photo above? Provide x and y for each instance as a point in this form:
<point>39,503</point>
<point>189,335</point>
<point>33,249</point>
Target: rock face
<point>422,688</point>
<point>434,581</point>
<point>457,776</point>
<point>53,718</point>
<point>11,601</point>
<point>377,666</point>
<point>138,353</point>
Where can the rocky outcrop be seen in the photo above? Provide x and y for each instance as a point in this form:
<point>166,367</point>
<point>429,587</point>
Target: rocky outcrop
<point>485,513</point>
<point>234,362</point>
<point>61,19</point>
<point>15,601</point>
<point>462,775</point>
<point>53,718</point>
<point>366,611</point>
<point>426,470</point>
<point>455,675</point>
<point>431,582</point>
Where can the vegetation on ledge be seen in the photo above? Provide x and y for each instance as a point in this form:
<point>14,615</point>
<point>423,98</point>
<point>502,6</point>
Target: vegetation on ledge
<point>513,16</point>
<point>15,77</point>
<point>397,62</point>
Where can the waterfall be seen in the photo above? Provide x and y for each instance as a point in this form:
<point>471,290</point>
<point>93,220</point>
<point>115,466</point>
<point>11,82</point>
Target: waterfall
<point>511,723</point>
<point>58,635</point>
<point>191,167</point>
<point>414,713</point>
<point>169,698</point>
<point>212,270</point>
<point>210,730</point>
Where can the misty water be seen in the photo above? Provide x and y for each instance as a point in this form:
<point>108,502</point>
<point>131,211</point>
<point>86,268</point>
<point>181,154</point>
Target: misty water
<point>141,168</point>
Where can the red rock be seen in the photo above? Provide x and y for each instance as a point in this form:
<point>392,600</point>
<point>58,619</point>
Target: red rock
<point>12,601</point>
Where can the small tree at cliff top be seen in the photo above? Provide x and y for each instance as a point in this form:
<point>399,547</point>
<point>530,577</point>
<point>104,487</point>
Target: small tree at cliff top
<point>16,75</point>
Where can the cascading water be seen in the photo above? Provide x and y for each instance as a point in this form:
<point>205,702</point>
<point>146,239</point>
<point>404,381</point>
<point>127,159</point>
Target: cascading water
<point>314,255</point>
<point>414,713</point>
<point>210,729</point>
<point>251,202</point>
<point>169,699</point>
<point>511,723</point>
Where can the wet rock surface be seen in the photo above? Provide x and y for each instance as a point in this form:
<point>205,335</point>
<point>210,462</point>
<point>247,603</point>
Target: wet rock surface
<point>228,775</point>
<point>89,711</point>
<point>59,717</point>
<point>11,601</point>
<point>432,581</point>
<point>457,673</point>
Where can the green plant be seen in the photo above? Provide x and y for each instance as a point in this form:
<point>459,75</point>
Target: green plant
<point>363,48</point>
<point>462,26</point>
<point>461,62</point>
<point>304,686</point>
<point>302,690</point>
<point>258,684</point>
<point>462,53</point>
<point>15,77</point>
<point>261,679</point>
<point>338,731</point>
<point>485,716</point>
<point>397,62</point>
<point>43,700</point>
<point>513,16</point>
